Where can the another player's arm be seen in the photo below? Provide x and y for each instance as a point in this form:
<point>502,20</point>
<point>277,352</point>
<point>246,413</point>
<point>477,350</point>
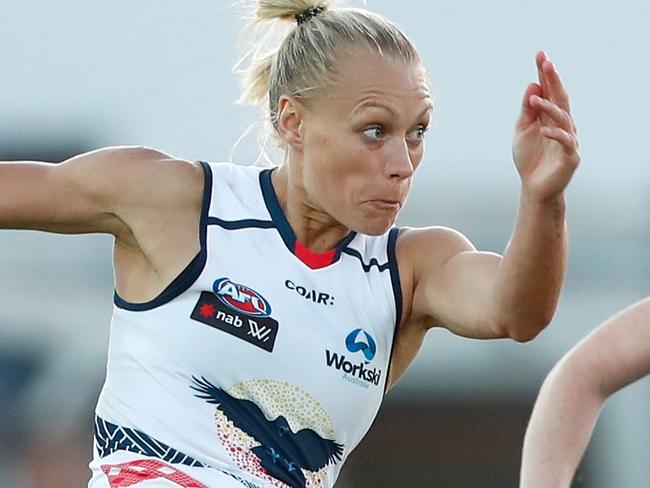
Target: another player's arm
<point>610,358</point>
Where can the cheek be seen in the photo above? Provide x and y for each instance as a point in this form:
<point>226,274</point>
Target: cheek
<point>322,178</point>
<point>334,158</point>
<point>329,182</point>
<point>417,155</point>
<point>339,169</point>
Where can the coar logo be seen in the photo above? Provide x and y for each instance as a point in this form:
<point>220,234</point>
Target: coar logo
<point>360,340</point>
<point>241,298</point>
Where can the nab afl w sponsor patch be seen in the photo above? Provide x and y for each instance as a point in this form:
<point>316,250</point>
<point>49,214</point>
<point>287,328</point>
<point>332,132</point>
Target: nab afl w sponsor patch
<point>239,311</point>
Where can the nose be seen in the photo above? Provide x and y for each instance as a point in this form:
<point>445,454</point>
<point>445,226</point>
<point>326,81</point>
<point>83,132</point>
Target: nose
<point>400,163</point>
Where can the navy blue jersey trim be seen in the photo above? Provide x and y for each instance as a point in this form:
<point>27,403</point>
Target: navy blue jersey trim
<point>241,224</point>
<point>244,482</point>
<point>281,222</point>
<point>397,293</point>
<point>273,206</point>
<point>343,245</point>
<point>371,263</point>
<point>193,270</point>
<point>110,438</point>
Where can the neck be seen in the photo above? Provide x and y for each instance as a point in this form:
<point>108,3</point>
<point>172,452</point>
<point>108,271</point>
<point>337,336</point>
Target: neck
<point>313,227</point>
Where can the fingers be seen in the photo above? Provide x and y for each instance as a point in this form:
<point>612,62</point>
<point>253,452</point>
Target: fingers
<point>556,90</point>
<point>551,82</point>
<point>531,90</point>
<point>553,112</point>
<point>568,142</point>
<point>528,112</point>
<point>540,60</point>
<point>562,129</point>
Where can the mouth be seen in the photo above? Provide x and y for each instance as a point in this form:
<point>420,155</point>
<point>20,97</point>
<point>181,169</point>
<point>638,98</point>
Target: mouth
<point>381,204</point>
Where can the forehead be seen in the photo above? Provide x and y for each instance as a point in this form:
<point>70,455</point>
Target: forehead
<point>364,79</point>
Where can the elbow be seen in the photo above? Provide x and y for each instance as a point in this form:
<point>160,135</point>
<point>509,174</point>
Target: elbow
<point>524,330</point>
<point>523,336</point>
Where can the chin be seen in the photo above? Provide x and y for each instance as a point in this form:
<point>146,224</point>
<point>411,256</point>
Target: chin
<point>374,227</point>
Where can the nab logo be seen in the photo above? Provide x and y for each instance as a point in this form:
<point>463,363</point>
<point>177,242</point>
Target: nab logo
<point>360,340</point>
<point>239,311</point>
<point>241,298</point>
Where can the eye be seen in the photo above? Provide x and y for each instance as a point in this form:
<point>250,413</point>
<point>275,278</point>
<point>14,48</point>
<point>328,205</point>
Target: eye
<point>375,133</point>
<point>417,135</point>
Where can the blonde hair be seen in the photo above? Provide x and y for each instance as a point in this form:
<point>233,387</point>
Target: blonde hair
<point>287,58</point>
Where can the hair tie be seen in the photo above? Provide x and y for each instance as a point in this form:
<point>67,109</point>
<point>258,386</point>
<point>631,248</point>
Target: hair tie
<point>309,13</point>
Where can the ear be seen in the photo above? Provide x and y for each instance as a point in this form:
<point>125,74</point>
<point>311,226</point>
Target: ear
<point>290,116</point>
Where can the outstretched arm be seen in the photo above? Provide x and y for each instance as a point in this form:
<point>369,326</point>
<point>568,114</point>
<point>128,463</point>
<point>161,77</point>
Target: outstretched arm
<point>136,194</point>
<point>484,295</point>
<point>56,197</point>
<point>106,190</point>
<point>611,357</point>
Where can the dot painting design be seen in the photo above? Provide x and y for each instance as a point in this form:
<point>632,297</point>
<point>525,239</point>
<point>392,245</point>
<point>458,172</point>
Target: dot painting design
<point>274,398</point>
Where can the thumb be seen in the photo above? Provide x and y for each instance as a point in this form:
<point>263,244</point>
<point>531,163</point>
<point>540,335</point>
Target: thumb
<point>529,113</point>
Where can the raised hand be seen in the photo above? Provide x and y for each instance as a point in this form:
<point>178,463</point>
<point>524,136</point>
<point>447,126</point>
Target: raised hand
<point>545,146</point>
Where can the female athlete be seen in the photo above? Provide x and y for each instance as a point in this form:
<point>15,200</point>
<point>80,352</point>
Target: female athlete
<point>260,314</point>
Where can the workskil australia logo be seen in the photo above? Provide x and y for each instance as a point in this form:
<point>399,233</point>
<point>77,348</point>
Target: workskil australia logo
<point>238,310</point>
<point>359,343</point>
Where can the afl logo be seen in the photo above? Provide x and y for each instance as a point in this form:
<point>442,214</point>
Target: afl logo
<point>241,298</point>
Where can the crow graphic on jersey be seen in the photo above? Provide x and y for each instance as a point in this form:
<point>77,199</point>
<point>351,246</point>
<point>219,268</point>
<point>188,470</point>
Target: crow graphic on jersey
<point>283,453</point>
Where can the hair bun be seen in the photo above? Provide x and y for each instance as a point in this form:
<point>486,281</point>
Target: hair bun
<point>309,13</point>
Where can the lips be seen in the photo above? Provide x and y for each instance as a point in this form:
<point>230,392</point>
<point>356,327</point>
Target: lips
<point>386,204</point>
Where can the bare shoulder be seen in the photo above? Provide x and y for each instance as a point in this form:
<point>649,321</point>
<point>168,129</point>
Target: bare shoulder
<point>96,191</point>
<point>421,253</point>
<point>157,198</point>
<point>136,174</point>
<point>429,246</point>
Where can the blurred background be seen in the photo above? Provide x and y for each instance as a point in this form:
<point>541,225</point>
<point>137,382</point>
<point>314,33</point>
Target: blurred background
<point>81,74</point>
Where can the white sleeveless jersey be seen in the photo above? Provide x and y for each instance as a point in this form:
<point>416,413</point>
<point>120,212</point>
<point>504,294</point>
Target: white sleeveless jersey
<point>262,365</point>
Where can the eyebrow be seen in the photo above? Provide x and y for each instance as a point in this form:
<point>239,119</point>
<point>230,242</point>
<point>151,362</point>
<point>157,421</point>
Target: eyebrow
<point>373,104</point>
